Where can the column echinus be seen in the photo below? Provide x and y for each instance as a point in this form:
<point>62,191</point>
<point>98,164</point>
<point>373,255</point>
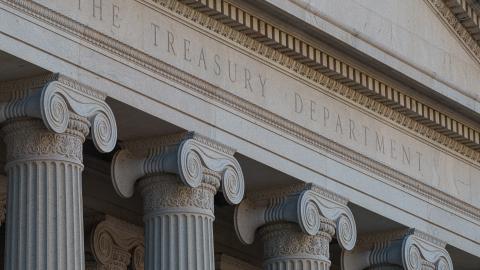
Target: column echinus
<point>296,226</point>
<point>177,176</point>
<point>45,121</point>
<point>408,249</point>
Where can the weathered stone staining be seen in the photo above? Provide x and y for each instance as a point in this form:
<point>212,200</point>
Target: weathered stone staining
<point>402,249</point>
<point>296,226</point>
<point>46,121</point>
<point>178,176</point>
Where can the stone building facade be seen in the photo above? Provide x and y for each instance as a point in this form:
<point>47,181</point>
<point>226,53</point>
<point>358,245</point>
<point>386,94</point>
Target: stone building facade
<point>229,134</point>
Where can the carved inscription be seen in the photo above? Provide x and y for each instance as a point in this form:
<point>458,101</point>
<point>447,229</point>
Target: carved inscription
<point>208,61</point>
<point>358,132</point>
<point>143,26</point>
<point>101,10</point>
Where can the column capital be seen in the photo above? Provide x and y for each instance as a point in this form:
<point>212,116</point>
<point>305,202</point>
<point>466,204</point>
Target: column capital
<point>54,98</point>
<point>408,249</point>
<point>306,205</point>
<point>194,158</point>
<point>116,244</point>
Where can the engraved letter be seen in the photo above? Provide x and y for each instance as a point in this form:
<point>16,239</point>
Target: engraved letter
<point>115,11</point>
<point>202,59</point>
<point>155,29</point>
<point>351,125</point>
<point>170,40</point>
<point>312,109</point>
<point>406,154</point>
<point>247,79</point>
<point>263,82</point>
<point>339,125</point>
<point>380,143</point>
<point>393,149</point>
<point>326,116</point>
<point>79,5</point>
<point>97,6</point>
<point>217,69</point>
<point>230,71</point>
<point>419,161</point>
<point>298,103</point>
<point>186,50</point>
<point>365,130</point>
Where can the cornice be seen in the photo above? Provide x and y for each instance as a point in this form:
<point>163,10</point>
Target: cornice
<point>306,57</point>
<point>462,20</point>
<point>233,102</point>
<point>466,14</point>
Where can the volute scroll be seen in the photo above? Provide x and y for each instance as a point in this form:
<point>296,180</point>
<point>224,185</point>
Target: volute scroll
<point>194,158</point>
<point>308,206</point>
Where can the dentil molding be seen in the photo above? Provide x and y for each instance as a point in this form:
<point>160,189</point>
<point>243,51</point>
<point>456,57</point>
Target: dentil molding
<point>406,249</point>
<point>162,69</point>
<point>306,205</point>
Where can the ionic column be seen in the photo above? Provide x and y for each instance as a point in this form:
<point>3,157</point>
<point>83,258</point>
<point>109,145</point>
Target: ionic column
<point>177,177</point>
<point>296,226</point>
<point>3,186</point>
<point>45,124</point>
<point>402,249</point>
<point>3,197</point>
<point>115,245</point>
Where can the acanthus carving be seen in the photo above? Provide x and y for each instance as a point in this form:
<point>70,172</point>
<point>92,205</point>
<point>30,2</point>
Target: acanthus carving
<point>116,245</point>
<point>285,239</point>
<point>195,159</point>
<point>405,249</point>
<point>308,207</point>
<point>162,193</point>
<point>28,139</point>
<point>57,103</point>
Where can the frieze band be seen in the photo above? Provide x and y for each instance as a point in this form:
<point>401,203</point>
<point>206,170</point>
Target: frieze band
<point>263,115</point>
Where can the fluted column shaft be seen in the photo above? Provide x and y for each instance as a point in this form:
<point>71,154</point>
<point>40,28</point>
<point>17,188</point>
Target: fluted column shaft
<point>178,223</point>
<point>178,176</point>
<point>44,215</point>
<point>286,247</point>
